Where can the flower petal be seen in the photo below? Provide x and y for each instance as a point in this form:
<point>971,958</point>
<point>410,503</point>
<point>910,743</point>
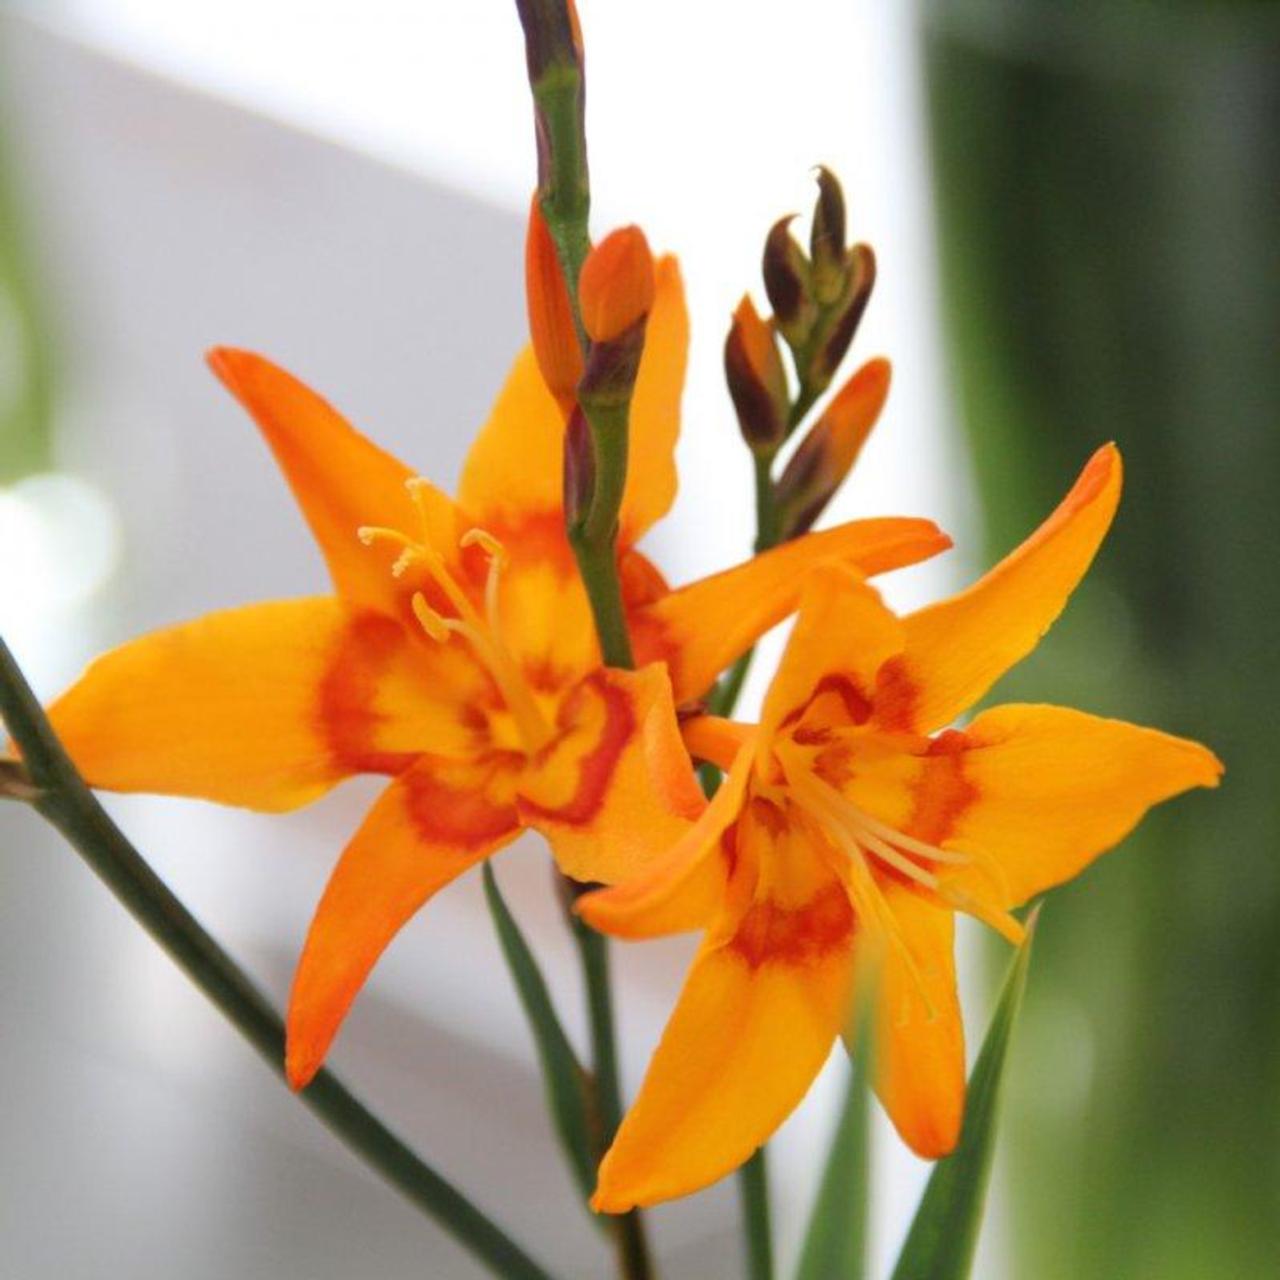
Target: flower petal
<point>1052,788</point>
<point>683,888</point>
<point>655,407</point>
<point>428,826</point>
<point>266,706</point>
<point>842,637</point>
<point>341,479</point>
<point>755,1022</point>
<point>958,648</point>
<point>515,467</point>
<point>700,629</point>
<point>919,1035</point>
<point>617,788</point>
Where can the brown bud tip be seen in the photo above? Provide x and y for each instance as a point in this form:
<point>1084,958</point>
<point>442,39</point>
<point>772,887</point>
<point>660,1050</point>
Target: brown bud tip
<point>827,454</point>
<point>786,281</point>
<point>555,342</point>
<point>826,238</point>
<point>616,287</point>
<point>841,320</point>
<point>757,379</point>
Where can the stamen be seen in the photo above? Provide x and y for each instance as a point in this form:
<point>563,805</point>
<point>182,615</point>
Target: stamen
<point>854,828</point>
<point>431,621</point>
<point>482,634</point>
<point>870,898</point>
<point>498,561</point>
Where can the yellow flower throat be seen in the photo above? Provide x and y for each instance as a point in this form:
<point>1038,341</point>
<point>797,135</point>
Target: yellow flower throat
<point>482,631</point>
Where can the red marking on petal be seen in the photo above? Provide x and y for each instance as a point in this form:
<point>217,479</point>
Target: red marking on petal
<point>595,768</point>
<point>346,713</point>
<point>897,696</point>
<point>466,813</point>
<point>943,792</point>
<point>770,934</point>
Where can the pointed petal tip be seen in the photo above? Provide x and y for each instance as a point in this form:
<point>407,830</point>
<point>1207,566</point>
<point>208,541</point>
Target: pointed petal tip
<point>300,1066</point>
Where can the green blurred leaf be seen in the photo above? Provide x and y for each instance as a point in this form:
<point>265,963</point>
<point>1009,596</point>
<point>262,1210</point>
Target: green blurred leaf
<point>567,1084</point>
<point>835,1244</point>
<point>944,1234</point>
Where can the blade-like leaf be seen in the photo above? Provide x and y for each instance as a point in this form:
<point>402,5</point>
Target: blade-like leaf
<point>944,1234</point>
<point>567,1083</point>
<point>835,1244</point>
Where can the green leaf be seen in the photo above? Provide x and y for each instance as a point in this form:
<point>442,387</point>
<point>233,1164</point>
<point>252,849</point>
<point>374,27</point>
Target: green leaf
<point>944,1234</point>
<point>835,1244</point>
<point>567,1084</point>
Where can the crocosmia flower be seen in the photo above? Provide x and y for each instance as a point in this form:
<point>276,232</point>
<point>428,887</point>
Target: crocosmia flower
<point>457,656</point>
<point>848,832</point>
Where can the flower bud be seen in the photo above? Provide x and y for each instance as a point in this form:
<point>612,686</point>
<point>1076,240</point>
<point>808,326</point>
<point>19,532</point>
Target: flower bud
<point>826,455</point>
<point>786,281</point>
<point>616,287</point>
<point>555,341</point>
<point>757,380</point>
<point>826,239</point>
<point>841,322</point>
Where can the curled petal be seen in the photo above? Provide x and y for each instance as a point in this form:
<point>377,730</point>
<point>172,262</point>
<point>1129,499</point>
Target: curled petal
<point>617,788</point>
<point>684,888</point>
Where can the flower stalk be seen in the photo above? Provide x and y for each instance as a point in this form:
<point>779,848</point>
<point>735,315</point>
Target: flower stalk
<point>595,470</point>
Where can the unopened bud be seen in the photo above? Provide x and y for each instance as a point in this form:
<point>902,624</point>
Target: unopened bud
<point>757,379</point>
<point>786,281</point>
<point>839,328</point>
<point>555,341</point>
<point>826,239</point>
<point>826,455</point>
<point>616,287</point>
<point>579,468</point>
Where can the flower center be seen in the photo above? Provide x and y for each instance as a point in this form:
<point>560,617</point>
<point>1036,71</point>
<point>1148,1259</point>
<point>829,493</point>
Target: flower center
<point>482,631</point>
<point>867,841</point>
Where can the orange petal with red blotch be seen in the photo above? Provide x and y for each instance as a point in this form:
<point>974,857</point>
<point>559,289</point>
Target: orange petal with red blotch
<point>428,827</point>
<point>617,788</point>
<point>754,1024</point>
<point>266,706</point>
<point>1049,789</point>
<point>341,479</point>
<point>686,886</point>
<point>843,636</point>
<point>958,648</point>
<point>700,629</point>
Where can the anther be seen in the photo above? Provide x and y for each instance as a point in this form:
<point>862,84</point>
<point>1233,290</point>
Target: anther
<point>431,622</point>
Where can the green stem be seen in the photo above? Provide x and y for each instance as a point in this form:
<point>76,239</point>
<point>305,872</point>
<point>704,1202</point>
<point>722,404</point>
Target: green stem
<point>66,802</point>
<point>558,85</point>
<point>593,949</point>
<point>766,503</point>
<point>753,1184</point>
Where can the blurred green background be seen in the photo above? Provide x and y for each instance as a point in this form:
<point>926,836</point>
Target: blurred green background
<point>1107,179</point>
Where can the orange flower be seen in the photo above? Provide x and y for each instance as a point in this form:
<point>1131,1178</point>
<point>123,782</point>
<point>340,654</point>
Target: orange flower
<point>847,834</point>
<point>457,656</point>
